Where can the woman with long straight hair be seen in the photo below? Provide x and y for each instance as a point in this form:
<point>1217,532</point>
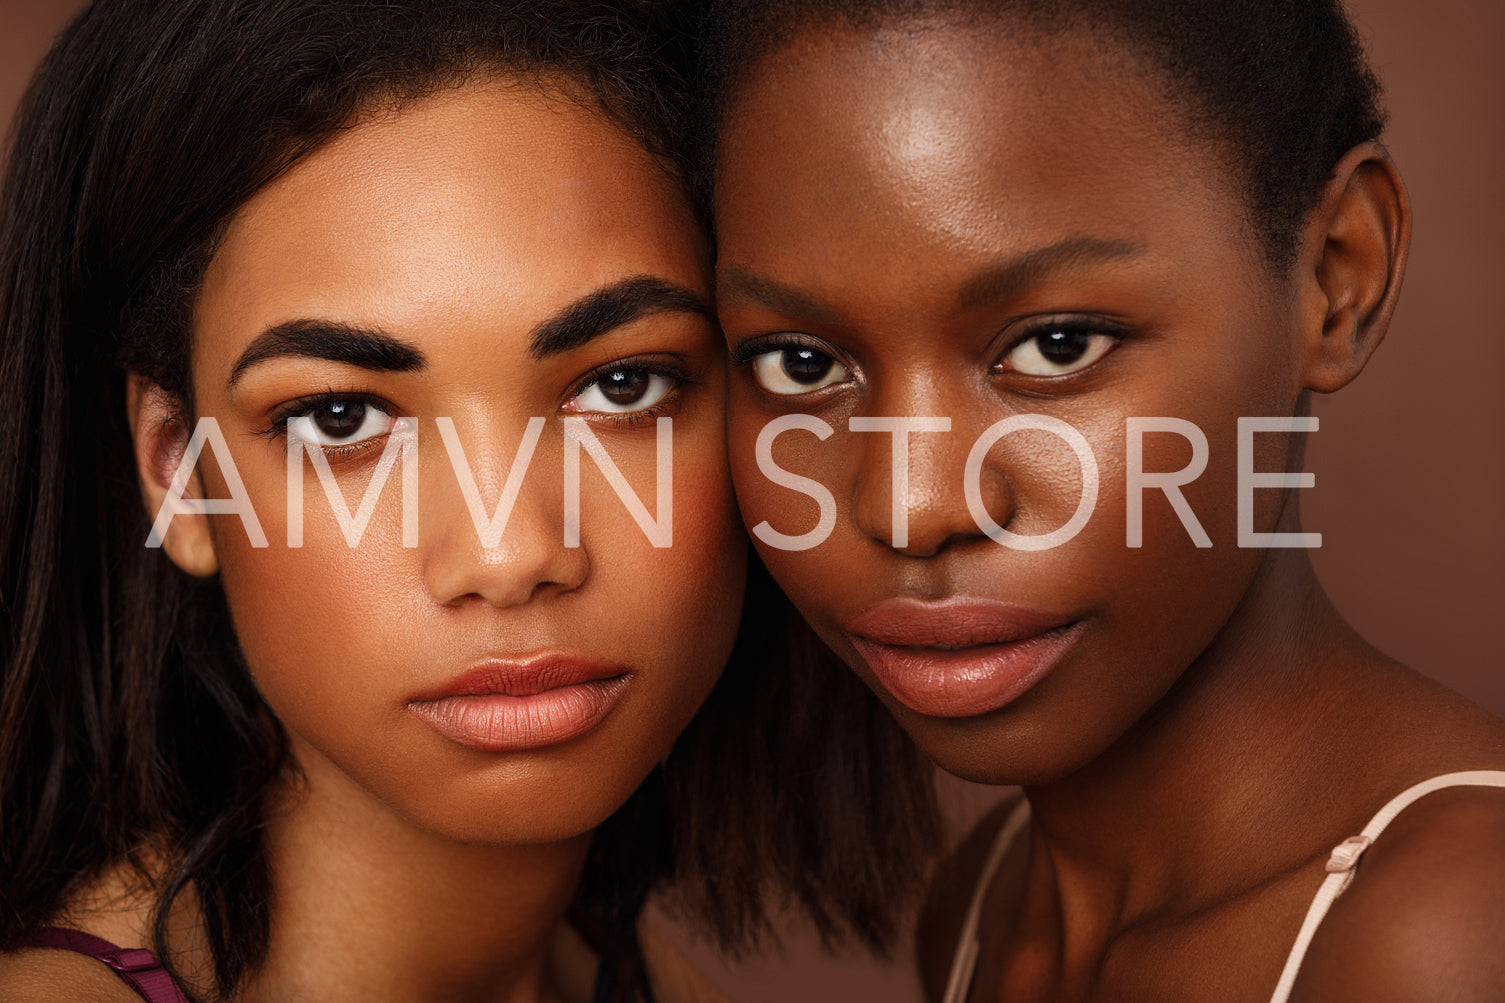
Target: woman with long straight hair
<point>367,549</point>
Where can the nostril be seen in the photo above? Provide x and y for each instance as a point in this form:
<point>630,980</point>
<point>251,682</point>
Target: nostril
<point>930,515</point>
<point>981,475</point>
<point>903,489</point>
<point>991,502</point>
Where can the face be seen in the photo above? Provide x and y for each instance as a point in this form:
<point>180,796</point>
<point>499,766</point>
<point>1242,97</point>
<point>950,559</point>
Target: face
<point>949,222</point>
<point>479,261</point>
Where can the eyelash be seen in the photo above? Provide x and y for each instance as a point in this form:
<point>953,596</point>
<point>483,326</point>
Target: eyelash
<point>650,366</point>
<point>301,406</point>
<point>754,347</point>
<point>1090,327</point>
<point>1078,325</point>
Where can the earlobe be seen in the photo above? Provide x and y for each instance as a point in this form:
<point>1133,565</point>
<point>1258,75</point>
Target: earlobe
<point>1353,258</point>
<point>160,436</point>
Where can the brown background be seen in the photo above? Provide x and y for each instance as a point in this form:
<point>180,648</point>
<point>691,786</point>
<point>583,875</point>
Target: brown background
<point>1410,460</point>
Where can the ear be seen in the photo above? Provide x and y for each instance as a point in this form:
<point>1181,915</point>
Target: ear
<point>160,437</point>
<point>1349,272</point>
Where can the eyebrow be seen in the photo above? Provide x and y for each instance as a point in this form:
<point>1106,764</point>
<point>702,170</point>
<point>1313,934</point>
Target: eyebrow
<point>773,295</point>
<point>608,308</point>
<point>1001,282</point>
<point>992,284</point>
<point>368,348</point>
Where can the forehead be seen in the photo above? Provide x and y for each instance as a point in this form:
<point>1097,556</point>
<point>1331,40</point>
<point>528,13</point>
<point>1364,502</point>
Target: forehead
<point>962,131</point>
<point>488,206</point>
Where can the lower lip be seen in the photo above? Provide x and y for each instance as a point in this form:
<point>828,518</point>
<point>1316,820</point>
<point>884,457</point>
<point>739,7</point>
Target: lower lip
<point>967,681</point>
<point>496,722</point>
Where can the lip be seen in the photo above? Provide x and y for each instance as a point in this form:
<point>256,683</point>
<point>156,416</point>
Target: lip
<point>962,656</point>
<point>513,705</point>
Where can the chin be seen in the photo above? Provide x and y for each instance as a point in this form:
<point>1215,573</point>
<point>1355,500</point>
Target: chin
<point>433,786</point>
<point>1000,749</point>
<point>524,810</point>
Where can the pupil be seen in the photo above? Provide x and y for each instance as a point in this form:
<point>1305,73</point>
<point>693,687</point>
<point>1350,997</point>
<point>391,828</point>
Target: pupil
<point>1064,347</point>
<point>804,365</point>
<point>625,386</point>
<point>340,418</point>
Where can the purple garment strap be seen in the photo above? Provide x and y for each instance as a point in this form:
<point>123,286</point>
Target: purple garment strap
<point>137,968</point>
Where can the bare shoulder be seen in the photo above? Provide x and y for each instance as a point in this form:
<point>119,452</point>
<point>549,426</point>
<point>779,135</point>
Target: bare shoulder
<point>1424,918</point>
<point>952,888</point>
<point>115,907</point>
<point>673,977</point>
<point>42,975</point>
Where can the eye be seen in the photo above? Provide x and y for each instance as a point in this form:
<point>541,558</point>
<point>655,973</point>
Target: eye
<point>796,370</point>
<point>339,421</point>
<point>622,390</point>
<point>1057,352</point>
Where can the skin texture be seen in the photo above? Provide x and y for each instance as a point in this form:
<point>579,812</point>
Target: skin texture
<point>407,865</point>
<point>916,203</point>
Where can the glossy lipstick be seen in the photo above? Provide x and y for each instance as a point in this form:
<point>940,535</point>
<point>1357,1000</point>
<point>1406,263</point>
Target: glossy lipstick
<point>962,656</point>
<point>509,706</point>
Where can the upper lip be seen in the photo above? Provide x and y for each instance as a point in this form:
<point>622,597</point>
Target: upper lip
<point>954,622</point>
<point>521,677</point>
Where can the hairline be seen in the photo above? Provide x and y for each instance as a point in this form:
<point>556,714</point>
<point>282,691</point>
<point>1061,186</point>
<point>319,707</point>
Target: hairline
<point>384,101</point>
<point>1274,253</point>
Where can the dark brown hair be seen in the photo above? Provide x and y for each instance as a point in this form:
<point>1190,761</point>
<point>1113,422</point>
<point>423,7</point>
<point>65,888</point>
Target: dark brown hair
<point>128,719</point>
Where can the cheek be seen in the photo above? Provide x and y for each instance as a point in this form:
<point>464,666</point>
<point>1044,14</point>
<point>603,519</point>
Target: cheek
<point>798,453</point>
<point>787,511</point>
<point>311,617</point>
<point>1159,604</point>
<point>686,583</point>
<point>325,626</point>
<point>676,607</point>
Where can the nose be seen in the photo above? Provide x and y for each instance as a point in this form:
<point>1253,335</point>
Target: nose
<point>493,520</point>
<point>908,493</point>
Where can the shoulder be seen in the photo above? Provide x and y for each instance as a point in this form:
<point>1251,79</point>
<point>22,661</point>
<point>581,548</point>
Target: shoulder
<point>1424,917</point>
<point>952,888</point>
<point>673,978</point>
<point>44,975</point>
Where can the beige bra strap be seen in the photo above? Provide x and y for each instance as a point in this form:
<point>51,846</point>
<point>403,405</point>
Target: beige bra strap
<point>964,962</point>
<point>1342,865</point>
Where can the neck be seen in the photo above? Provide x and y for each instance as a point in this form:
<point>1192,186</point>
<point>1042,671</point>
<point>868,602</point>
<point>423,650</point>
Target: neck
<point>1198,801</point>
<point>370,906</point>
